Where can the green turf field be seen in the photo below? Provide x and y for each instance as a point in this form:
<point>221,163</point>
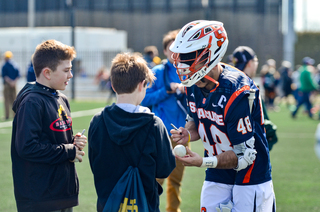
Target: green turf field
<point>296,170</point>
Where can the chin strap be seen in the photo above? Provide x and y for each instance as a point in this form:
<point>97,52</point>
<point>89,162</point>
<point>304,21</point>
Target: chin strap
<point>212,80</point>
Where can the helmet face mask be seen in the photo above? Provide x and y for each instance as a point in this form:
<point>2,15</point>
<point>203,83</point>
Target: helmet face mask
<point>189,64</point>
<point>198,47</point>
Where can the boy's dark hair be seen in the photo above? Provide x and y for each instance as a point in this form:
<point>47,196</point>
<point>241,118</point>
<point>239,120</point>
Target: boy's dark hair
<point>169,37</point>
<point>127,71</point>
<point>49,54</point>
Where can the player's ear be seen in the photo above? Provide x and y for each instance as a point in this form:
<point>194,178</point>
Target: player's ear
<point>46,72</point>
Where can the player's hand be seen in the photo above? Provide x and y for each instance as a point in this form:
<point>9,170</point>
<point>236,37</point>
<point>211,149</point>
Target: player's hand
<point>247,159</point>
<point>80,141</point>
<point>250,155</point>
<point>79,154</point>
<point>191,159</point>
<point>180,136</point>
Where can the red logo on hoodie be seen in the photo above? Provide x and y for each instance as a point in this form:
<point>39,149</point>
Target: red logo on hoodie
<point>63,123</point>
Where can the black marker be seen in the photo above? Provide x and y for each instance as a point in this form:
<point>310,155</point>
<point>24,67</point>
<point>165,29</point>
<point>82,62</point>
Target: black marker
<point>174,127</point>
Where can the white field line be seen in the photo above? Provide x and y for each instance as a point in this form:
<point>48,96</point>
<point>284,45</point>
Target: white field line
<point>86,112</point>
<point>6,124</point>
<point>73,115</point>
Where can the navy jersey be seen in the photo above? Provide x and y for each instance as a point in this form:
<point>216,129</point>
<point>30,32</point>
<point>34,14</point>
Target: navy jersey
<point>223,119</point>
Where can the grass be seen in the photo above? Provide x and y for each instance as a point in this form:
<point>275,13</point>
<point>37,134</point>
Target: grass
<point>295,168</point>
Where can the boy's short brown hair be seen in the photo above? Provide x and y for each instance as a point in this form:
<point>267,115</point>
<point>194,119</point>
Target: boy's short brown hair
<point>127,71</point>
<point>169,37</point>
<point>49,54</point>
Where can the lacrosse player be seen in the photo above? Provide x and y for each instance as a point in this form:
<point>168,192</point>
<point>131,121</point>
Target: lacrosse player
<point>225,113</point>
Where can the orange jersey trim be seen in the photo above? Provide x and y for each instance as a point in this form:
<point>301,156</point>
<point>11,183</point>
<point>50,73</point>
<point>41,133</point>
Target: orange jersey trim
<point>248,175</point>
<point>234,96</point>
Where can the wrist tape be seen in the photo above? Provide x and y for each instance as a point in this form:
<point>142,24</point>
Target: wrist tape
<point>209,162</point>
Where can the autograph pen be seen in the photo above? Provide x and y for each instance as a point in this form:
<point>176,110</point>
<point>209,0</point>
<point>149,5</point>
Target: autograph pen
<point>174,127</point>
<point>83,131</point>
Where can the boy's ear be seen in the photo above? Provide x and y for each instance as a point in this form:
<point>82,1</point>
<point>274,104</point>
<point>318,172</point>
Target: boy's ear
<point>46,73</point>
<point>141,85</point>
<point>113,88</point>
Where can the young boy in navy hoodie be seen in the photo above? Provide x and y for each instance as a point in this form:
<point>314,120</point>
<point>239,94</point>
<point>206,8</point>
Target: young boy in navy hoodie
<point>43,148</point>
<point>126,133</point>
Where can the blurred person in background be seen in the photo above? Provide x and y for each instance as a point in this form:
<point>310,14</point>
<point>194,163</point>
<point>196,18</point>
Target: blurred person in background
<point>102,78</point>
<point>246,60</point>
<point>296,83</point>
<point>316,108</point>
<point>151,55</point>
<point>270,78</point>
<point>307,86</point>
<point>230,59</point>
<point>10,75</point>
<point>168,101</point>
<point>285,81</point>
<point>317,74</point>
<point>31,77</point>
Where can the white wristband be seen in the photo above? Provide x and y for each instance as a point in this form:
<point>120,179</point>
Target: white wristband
<point>209,162</point>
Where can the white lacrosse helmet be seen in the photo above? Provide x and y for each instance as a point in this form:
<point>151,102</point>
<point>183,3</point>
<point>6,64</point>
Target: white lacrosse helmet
<point>210,38</point>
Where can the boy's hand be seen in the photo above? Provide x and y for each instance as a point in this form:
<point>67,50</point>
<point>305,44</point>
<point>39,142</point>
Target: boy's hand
<point>79,155</point>
<point>80,140</point>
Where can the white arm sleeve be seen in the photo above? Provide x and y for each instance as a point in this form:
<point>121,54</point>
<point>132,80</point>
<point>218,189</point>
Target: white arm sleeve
<point>239,149</point>
<point>246,153</point>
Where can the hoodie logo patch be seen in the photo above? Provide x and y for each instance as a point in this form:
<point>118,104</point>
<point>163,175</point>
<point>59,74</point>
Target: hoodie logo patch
<point>63,123</point>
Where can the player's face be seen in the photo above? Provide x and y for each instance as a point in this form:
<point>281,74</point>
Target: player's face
<point>60,78</point>
<point>203,82</point>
